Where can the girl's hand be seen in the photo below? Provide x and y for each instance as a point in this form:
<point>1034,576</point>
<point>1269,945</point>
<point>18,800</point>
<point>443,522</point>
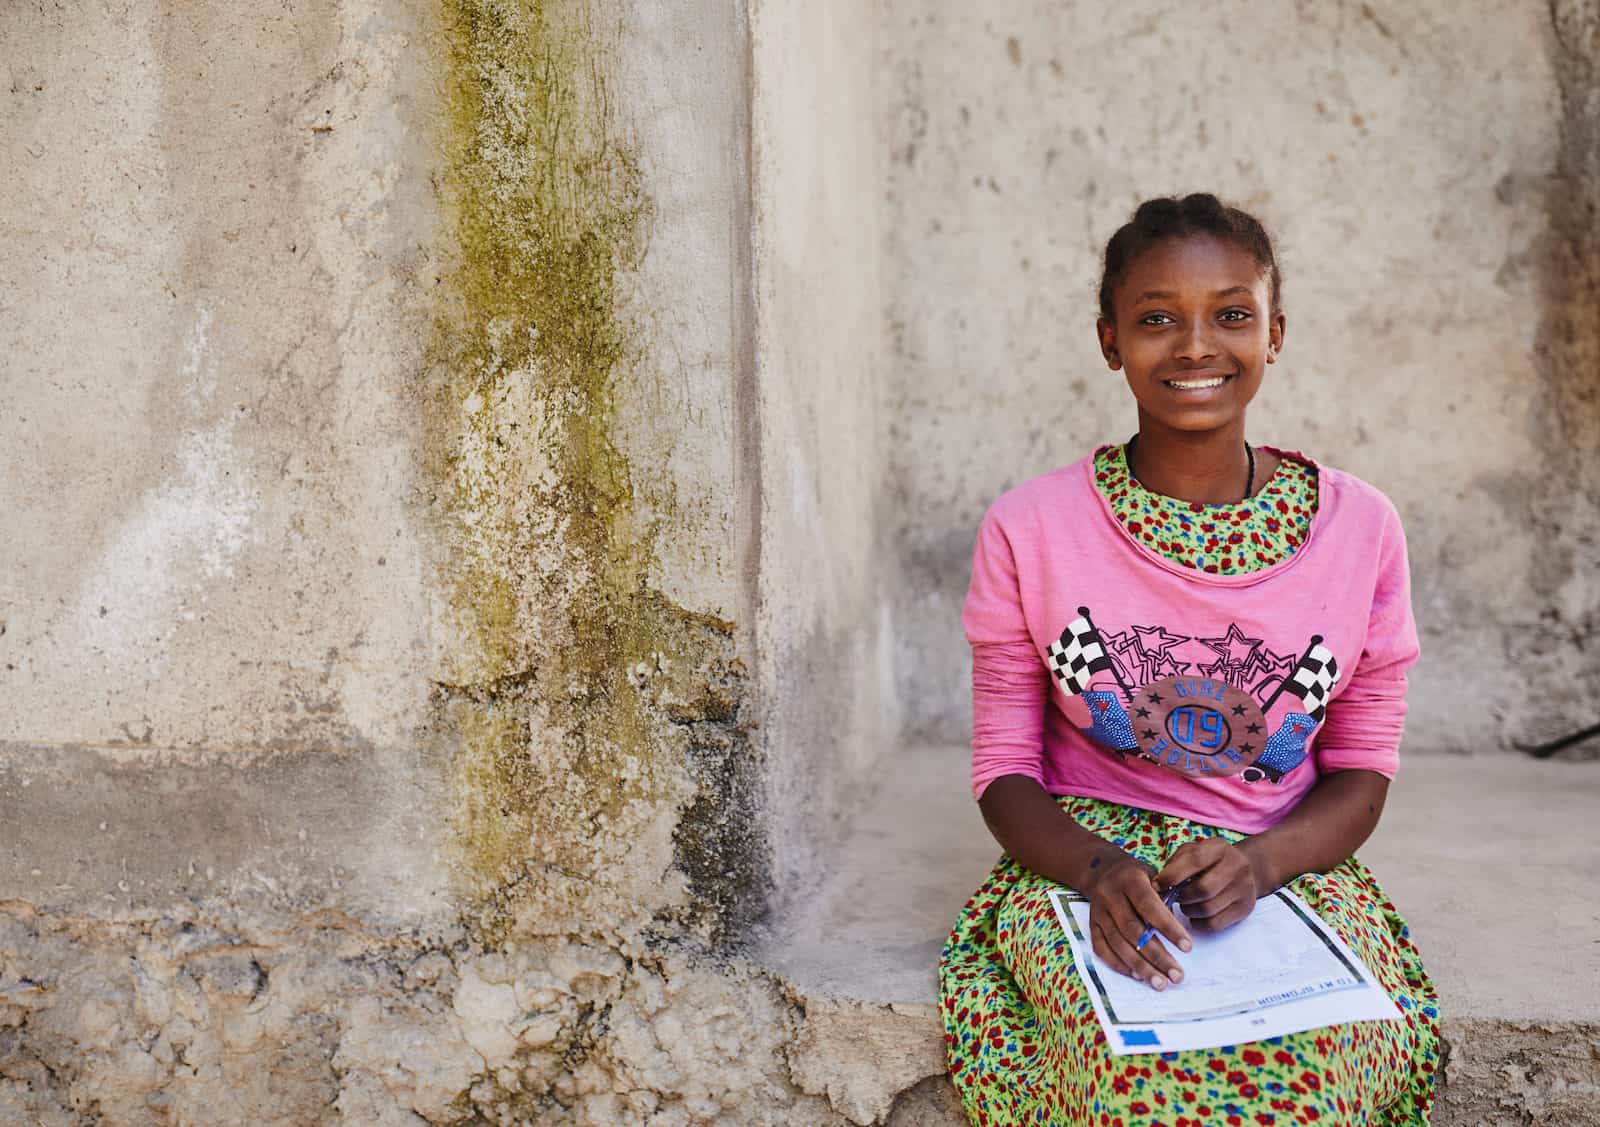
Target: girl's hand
<point>1222,882</point>
<point>1122,901</point>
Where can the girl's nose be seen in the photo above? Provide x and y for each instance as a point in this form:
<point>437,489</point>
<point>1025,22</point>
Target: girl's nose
<point>1196,344</point>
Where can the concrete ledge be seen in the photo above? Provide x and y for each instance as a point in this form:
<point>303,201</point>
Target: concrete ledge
<point>131,829</point>
<point>1492,860</point>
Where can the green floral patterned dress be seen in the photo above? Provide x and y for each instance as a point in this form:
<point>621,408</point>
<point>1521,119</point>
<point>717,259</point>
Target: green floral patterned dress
<point>1024,1044</point>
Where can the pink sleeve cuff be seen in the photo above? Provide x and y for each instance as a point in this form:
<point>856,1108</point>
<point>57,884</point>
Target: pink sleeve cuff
<point>1009,683</point>
<point>1363,725</point>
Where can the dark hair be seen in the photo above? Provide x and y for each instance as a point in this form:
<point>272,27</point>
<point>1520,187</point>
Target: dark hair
<point>1200,213</point>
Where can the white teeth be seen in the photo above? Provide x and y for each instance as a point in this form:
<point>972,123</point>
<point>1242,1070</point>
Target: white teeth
<point>1189,385</point>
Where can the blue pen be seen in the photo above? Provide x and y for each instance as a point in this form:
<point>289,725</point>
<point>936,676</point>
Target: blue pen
<point>1167,902</point>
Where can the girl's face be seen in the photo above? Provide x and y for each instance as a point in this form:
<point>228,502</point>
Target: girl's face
<point>1194,332</point>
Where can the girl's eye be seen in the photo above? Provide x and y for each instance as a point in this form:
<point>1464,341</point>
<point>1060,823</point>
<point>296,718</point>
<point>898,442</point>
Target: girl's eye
<point>1235,315</point>
<point>1155,319</point>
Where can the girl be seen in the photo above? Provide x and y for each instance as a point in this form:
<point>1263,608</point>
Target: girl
<point>1185,553</point>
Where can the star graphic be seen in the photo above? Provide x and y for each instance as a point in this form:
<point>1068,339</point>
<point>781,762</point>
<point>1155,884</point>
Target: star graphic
<point>1142,713</point>
<point>1192,651</point>
<point>1124,648</point>
<point>1154,640</point>
<point>1247,748</point>
<point>1238,710</point>
<point>1236,649</point>
<point>1149,733</point>
<point>1254,729</point>
<point>1155,698</point>
<point>1279,663</point>
<point>1270,670</point>
<point>1165,666</point>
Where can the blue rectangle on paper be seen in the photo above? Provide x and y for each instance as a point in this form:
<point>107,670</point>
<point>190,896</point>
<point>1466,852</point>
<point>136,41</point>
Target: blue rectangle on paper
<point>1139,1037</point>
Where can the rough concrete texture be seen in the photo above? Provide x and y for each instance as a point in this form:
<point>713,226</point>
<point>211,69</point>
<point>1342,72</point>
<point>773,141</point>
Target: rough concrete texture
<point>1453,851</point>
<point>216,268</point>
<point>444,600</point>
<point>181,1018</point>
<point>577,702</point>
<point>829,704</point>
<point>387,464</point>
<point>212,556</point>
<point>1566,418</point>
<point>1432,185</point>
<point>863,1056</point>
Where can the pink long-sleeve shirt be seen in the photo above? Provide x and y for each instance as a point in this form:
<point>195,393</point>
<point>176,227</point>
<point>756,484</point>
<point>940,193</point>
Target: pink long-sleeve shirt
<point>1100,668</point>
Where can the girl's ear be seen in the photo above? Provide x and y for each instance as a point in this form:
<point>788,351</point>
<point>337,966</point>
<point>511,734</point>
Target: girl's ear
<point>1275,337</point>
<point>1108,343</point>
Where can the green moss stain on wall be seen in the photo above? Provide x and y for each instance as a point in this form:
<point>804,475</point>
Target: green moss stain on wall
<point>585,715</point>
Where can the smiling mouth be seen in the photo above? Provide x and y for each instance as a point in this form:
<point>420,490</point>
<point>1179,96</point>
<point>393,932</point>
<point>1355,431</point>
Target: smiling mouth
<point>1197,384</point>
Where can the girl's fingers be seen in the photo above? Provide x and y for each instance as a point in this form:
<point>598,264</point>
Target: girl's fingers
<point>1160,960</point>
<point>1120,917</point>
<point>1217,887</point>
<point>1112,948</point>
<point>1222,912</point>
<point>1103,952</point>
<point>1153,963</point>
<point>1241,908</point>
<point>1187,861</point>
<point>1205,908</point>
<point>1154,912</point>
<point>1142,968</point>
<point>1208,884</point>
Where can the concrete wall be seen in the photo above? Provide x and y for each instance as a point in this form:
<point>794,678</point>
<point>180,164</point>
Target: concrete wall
<point>215,574</point>
<point>829,709</point>
<point>1427,178</point>
<point>449,592</point>
<point>440,516</point>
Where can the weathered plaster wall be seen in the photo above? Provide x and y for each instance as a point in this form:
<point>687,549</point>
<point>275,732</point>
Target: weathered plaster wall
<point>445,598</point>
<point>829,710</point>
<point>582,706</point>
<point>1566,418</point>
<point>395,600</point>
<point>214,575</point>
<point>1431,182</point>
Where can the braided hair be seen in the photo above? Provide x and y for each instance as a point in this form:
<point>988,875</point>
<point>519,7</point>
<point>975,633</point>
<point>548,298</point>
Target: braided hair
<point>1200,213</point>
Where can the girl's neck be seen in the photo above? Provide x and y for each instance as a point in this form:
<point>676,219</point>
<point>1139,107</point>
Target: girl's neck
<point>1208,467</point>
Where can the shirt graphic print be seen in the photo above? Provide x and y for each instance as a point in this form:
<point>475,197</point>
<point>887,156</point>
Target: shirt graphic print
<point>1196,706</point>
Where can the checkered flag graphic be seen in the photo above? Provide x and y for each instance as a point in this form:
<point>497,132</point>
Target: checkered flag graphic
<point>1313,678</point>
<point>1078,655</point>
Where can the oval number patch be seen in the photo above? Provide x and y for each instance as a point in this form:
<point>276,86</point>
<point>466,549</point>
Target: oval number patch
<point>1198,726</point>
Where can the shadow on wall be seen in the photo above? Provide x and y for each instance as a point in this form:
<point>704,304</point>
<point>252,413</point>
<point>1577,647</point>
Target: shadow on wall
<point>1565,415</point>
